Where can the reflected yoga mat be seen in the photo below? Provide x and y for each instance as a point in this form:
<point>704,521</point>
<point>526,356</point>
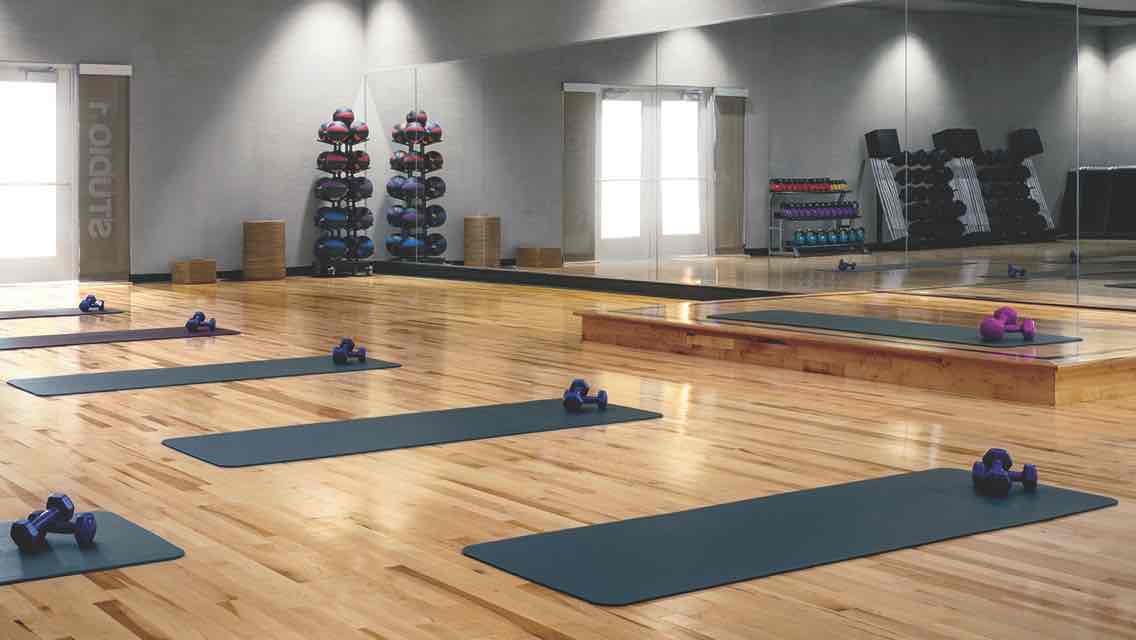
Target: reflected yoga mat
<point>949,333</point>
<point>105,337</point>
<point>118,543</point>
<point>630,561</point>
<point>348,437</point>
<point>54,313</point>
<point>199,374</point>
<point>910,266</point>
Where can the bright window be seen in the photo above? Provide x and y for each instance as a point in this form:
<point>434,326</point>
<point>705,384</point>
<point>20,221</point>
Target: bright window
<point>681,201</point>
<point>28,169</point>
<point>621,167</point>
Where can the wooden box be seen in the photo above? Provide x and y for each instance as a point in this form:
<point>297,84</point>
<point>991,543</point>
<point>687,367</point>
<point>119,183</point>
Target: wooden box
<point>482,241</point>
<point>263,250</point>
<point>545,257</point>
<point>551,257</point>
<point>194,271</point>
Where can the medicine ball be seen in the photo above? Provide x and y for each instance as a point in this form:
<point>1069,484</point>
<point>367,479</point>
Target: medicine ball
<point>411,116</point>
<point>435,215</point>
<point>435,244</point>
<point>413,188</point>
<point>433,131</point>
<point>413,162</point>
<point>322,135</point>
<point>346,115</point>
<point>363,219</point>
<point>332,218</point>
<point>392,243</point>
<point>398,134</point>
<point>434,160</point>
<point>361,247</point>
<point>398,160</point>
<point>421,117</point>
<point>360,132</point>
<point>410,246</point>
<point>394,215</point>
<point>360,188</point>
<point>435,187</point>
<point>410,217</point>
<point>330,189</point>
<point>336,132</point>
<point>415,132</point>
<point>332,161</point>
<point>394,186</point>
<point>329,247</point>
<point>358,160</point>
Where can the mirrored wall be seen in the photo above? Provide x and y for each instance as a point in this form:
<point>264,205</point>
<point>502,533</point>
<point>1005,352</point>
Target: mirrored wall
<point>969,148</point>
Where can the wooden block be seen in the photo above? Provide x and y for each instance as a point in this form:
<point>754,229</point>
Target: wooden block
<point>195,271</point>
<point>482,241</point>
<point>264,250</point>
<point>528,257</point>
<point>551,257</point>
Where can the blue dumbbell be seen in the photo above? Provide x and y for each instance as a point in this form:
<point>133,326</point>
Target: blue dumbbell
<point>993,474</point>
<point>197,322</point>
<point>1015,272</point>
<point>846,266</point>
<point>82,526</point>
<point>346,352</point>
<point>91,303</point>
<point>30,534</point>
<point>576,397</point>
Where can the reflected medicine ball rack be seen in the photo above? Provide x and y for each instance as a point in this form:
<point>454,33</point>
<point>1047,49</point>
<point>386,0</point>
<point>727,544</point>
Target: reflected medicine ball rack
<point>343,247</point>
<point>836,237</point>
<point>416,188</point>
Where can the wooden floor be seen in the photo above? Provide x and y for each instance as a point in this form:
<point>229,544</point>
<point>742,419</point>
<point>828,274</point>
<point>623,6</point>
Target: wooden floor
<point>369,546</point>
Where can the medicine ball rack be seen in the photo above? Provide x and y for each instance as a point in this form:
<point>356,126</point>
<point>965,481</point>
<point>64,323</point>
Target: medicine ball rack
<point>343,248</point>
<point>416,189</point>
<point>839,212</point>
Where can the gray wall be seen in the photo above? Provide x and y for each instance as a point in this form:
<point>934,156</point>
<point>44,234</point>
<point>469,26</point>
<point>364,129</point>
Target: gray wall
<point>1116,128</point>
<point>225,103</point>
<point>809,106</point>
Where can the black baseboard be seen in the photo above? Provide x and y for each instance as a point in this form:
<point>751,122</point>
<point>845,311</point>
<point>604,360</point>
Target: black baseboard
<point>568,281</point>
<point>235,274</point>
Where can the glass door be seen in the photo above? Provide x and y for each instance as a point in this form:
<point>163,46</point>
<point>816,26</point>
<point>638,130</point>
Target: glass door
<point>682,160</point>
<point>37,209</point>
<point>624,225</point>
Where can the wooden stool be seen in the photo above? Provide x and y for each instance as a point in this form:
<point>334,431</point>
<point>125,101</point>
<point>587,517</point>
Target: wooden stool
<point>264,250</point>
<point>482,241</point>
<point>194,271</point>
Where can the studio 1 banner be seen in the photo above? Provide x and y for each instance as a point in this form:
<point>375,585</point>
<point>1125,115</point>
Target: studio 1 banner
<point>104,177</point>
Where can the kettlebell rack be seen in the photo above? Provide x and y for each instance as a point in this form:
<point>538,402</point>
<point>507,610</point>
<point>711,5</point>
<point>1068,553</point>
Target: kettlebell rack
<point>416,189</point>
<point>837,234</point>
<point>343,248</point>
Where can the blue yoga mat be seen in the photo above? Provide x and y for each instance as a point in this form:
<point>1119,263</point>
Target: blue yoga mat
<point>367,435</point>
<point>66,312</point>
<point>949,333</point>
<point>625,562</point>
<point>105,337</point>
<point>200,374</point>
<point>118,543</point>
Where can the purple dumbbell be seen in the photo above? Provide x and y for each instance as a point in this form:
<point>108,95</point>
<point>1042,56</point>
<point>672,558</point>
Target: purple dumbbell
<point>1005,320</point>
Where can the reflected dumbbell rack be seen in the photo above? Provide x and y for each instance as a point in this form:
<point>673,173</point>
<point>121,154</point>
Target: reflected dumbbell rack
<point>343,248</point>
<point>417,190</point>
<point>790,208</point>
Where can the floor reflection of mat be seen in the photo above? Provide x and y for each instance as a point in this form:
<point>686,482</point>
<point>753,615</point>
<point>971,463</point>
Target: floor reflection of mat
<point>629,561</point>
<point>19,314</point>
<point>908,266</point>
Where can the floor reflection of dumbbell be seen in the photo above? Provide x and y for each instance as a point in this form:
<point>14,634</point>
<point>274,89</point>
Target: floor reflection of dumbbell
<point>346,352</point>
<point>91,303</point>
<point>1015,272</point>
<point>576,397</point>
<point>197,322</point>
<point>82,526</point>
<point>846,266</point>
<point>993,474</point>
<point>1005,320</point>
<point>30,534</point>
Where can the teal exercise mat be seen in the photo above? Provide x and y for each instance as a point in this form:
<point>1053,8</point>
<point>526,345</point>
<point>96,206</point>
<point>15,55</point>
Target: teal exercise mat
<point>20,314</point>
<point>105,337</point>
<point>903,266</point>
<point>199,374</point>
<point>948,333</point>
<point>629,561</point>
<point>404,431</point>
<point>118,543</point>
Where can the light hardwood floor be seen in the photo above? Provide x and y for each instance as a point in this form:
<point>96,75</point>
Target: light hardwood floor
<point>369,546</point>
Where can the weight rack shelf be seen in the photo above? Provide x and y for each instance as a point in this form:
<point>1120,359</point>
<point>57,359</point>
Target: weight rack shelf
<point>779,245</point>
<point>344,249</point>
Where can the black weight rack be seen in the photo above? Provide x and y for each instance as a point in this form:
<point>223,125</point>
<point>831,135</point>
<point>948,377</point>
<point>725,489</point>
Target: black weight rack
<point>418,189</point>
<point>343,248</point>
